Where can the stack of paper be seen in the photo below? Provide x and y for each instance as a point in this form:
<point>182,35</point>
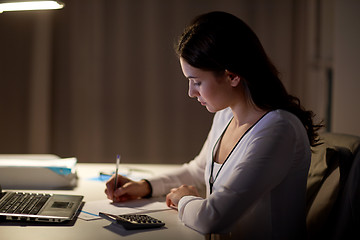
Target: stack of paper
<point>37,172</point>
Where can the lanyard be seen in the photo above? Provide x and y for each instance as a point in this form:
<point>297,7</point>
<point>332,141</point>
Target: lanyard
<point>211,178</point>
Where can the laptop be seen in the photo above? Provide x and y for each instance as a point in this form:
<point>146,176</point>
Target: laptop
<point>25,206</point>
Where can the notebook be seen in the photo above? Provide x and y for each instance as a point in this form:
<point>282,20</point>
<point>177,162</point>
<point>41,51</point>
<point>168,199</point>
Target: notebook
<point>25,206</point>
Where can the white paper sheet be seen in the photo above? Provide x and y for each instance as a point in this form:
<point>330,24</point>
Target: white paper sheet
<point>91,209</point>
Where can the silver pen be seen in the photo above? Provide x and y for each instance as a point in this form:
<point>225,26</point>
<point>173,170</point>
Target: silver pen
<point>116,170</point>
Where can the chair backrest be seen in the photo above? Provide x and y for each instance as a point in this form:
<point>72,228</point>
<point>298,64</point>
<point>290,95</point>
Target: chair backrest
<point>333,188</point>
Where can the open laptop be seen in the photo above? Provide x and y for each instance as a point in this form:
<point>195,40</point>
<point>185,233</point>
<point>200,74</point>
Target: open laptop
<point>27,206</point>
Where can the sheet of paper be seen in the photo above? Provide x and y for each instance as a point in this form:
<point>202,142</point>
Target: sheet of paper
<point>91,209</point>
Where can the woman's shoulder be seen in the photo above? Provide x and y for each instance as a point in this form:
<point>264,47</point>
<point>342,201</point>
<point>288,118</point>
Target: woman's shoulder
<point>283,116</point>
<point>282,121</point>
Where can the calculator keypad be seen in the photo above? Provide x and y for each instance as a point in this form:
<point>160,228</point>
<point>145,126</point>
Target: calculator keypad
<point>138,221</point>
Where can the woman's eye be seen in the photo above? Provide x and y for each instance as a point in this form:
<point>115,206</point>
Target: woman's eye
<point>194,82</point>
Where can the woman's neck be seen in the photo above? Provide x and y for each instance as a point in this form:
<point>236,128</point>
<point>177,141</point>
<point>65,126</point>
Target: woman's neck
<point>246,114</point>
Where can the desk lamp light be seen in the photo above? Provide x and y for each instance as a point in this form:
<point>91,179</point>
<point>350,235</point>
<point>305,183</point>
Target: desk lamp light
<point>29,5</point>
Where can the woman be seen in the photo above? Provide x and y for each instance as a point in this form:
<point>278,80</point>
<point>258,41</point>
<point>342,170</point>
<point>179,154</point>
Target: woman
<point>255,160</point>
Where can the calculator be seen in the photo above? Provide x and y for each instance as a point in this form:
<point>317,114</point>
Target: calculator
<point>133,221</point>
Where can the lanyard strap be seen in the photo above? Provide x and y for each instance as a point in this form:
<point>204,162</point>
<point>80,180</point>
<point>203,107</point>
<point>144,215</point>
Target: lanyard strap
<point>211,178</point>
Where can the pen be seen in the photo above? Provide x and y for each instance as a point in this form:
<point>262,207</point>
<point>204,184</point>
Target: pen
<point>116,170</point>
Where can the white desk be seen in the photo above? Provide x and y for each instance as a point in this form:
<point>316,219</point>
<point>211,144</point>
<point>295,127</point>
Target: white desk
<point>101,228</point>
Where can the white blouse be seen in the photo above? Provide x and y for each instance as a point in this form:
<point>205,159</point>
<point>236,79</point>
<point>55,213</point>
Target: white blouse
<point>259,192</point>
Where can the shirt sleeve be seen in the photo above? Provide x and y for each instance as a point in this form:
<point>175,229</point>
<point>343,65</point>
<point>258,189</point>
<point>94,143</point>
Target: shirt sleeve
<point>191,173</point>
<point>265,164</point>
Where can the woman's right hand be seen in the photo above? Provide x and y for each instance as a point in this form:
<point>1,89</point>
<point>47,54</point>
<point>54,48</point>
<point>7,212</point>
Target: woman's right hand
<point>127,189</point>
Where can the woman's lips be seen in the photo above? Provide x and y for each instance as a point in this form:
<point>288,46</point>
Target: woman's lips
<point>202,103</point>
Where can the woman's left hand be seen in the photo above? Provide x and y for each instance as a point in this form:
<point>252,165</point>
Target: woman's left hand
<point>173,198</point>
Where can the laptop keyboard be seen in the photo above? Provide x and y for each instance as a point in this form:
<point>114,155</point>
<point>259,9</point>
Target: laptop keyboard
<point>23,203</point>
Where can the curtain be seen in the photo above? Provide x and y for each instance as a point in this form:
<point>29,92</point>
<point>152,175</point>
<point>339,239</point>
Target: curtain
<point>100,77</point>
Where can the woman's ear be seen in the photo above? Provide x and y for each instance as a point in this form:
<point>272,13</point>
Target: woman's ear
<point>234,79</point>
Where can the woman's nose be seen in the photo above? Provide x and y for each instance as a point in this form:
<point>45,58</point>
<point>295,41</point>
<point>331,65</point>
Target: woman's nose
<point>192,92</point>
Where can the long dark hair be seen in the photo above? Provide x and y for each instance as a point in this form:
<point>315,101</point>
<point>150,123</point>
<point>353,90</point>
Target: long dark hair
<point>219,41</point>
